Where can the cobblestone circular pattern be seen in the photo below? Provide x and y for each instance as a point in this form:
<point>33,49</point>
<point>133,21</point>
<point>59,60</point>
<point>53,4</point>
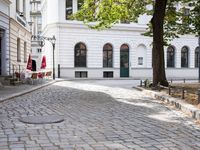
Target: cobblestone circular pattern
<point>42,119</point>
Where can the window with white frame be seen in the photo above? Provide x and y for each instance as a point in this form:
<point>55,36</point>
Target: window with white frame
<point>197,57</point>
<point>140,61</point>
<point>185,57</point>
<point>80,4</point>
<point>25,52</point>
<point>18,50</point>
<point>69,8</point>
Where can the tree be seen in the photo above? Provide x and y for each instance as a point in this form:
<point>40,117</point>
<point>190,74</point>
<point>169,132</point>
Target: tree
<point>166,23</point>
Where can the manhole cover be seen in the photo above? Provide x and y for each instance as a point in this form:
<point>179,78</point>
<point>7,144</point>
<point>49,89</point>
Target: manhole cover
<point>42,119</point>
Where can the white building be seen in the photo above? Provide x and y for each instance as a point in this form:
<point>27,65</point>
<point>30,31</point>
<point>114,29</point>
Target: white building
<point>20,36</point>
<point>4,37</point>
<point>36,28</point>
<point>118,52</point>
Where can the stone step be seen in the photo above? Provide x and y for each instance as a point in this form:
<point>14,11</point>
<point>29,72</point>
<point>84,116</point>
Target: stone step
<point>15,82</point>
<point>5,80</point>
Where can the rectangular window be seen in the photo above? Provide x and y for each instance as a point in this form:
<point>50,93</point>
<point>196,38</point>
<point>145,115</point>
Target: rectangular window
<point>25,52</point>
<point>186,13</point>
<point>18,50</point>
<point>80,4</point>
<point>107,59</point>
<point>140,60</point>
<point>69,8</point>
<point>108,74</point>
<point>39,50</point>
<point>80,74</point>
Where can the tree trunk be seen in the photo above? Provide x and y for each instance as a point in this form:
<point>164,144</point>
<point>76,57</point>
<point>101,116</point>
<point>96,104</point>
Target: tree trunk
<point>158,43</point>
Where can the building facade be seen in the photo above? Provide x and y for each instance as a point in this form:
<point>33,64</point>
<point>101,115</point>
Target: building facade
<point>20,36</point>
<point>36,28</point>
<point>4,37</point>
<point>119,52</point>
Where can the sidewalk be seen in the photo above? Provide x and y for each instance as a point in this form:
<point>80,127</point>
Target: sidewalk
<point>8,92</point>
<point>189,109</point>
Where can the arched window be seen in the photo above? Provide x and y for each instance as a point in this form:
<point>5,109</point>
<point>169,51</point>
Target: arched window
<point>80,54</point>
<point>124,56</point>
<point>124,48</point>
<point>170,56</point>
<point>197,57</point>
<point>107,55</point>
<point>185,57</point>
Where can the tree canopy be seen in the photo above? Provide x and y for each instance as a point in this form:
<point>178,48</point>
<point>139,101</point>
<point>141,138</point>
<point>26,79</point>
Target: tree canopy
<point>106,13</point>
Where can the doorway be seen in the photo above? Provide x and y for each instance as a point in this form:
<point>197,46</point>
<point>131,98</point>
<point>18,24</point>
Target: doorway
<point>124,61</point>
<point>34,66</point>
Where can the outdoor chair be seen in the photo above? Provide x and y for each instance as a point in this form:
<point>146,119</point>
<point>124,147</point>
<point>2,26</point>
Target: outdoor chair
<point>41,76</point>
<point>48,74</point>
<point>34,77</point>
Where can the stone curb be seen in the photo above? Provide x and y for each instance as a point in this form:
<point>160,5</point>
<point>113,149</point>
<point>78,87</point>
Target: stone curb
<point>177,103</point>
<point>25,91</point>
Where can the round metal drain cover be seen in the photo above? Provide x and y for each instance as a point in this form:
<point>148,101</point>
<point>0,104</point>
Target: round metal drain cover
<point>42,119</point>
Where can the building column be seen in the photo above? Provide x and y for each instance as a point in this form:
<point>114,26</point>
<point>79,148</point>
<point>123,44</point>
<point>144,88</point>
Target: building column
<point>178,58</point>
<point>75,6</point>
<point>191,58</point>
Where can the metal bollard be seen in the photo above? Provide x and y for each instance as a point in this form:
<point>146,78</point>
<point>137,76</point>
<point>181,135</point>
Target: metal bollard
<point>169,90</point>
<point>140,83</point>
<point>58,70</point>
<point>184,80</point>
<point>183,93</point>
<point>171,80</point>
<point>198,96</point>
<point>159,89</point>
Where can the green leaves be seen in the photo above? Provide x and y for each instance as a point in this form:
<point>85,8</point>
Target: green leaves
<point>102,14</point>
<point>106,13</point>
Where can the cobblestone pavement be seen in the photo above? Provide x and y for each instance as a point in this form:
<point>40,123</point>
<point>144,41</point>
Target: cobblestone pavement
<point>100,117</point>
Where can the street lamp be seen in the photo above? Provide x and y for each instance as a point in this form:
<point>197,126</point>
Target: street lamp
<point>52,40</point>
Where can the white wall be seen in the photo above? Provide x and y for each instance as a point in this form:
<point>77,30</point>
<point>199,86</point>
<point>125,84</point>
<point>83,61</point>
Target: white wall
<point>4,25</point>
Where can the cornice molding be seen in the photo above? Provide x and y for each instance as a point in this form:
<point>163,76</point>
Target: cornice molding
<point>79,25</point>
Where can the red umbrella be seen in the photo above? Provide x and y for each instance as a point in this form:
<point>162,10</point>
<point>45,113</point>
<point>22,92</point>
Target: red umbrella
<point>44,64</point>
<point>29,64</point>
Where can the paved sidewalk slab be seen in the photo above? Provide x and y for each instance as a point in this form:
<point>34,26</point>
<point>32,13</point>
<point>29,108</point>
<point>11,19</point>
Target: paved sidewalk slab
<point>8,92</point>
<point>193,111</point>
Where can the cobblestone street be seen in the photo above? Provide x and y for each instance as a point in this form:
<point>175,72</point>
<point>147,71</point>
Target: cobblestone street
<point>99,115</point>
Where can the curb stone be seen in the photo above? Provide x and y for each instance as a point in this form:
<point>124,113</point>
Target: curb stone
<point>177,103</point>
<point>3,99</point>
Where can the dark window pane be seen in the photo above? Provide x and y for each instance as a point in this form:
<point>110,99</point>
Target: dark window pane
<point>140,60</point>
<point>80,74</point>
<point>124,48</point>
<point>18,50</point>
<point>80,4</point>
<point>69,8</point>
<point>184,57</point>
<point>80,55</point>
<point>108,74</point>
<point>107,56</point>
<point>197,57</point>
<point>170,57</point>
<point>124,56</point>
